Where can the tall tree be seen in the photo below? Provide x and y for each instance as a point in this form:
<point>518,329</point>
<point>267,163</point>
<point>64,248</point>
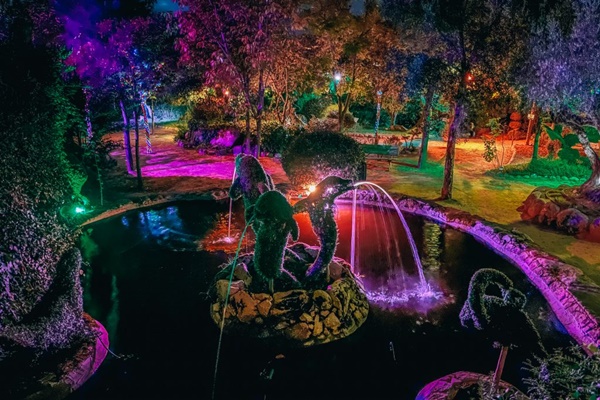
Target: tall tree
<point>562,75</point>
<point>359,47</point>
<point>477,39</point>
<point>234,39</point>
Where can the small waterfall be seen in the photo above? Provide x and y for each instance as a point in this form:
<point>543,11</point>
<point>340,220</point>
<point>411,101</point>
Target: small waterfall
<point>423,287</point>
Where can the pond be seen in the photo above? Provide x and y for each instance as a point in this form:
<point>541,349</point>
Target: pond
<point>150,271</point>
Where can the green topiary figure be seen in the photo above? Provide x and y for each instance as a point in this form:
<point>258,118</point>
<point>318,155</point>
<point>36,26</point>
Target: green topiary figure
<point>251,181</point>
<point>320,207</point>
<point>502,318</point>
<point>274,219</point>
<point>311,157</point>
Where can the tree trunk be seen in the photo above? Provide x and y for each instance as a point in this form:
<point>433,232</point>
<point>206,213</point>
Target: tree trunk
<point>451,149</point>
<point>340,112</point>
<point>500,367</point>
<point>138,168</point>
<point>536,139</point>
<point>593,183</point>
<point>126,138</point>
<point>248,140</point>
<point>531,124</point>
<point>425,127</point>
<point>378,116</point>
<point>259,109</point>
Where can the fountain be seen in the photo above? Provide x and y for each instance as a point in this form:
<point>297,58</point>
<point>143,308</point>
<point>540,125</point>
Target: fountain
<point>298,293</point>
<point>390,295</point>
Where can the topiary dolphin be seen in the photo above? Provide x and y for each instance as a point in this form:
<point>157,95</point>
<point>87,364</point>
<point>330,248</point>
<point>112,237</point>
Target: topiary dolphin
<point>250,182</point>
<point>274,219</point>
<point>320,207</point>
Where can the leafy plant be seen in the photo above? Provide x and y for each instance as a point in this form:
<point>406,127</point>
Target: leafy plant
<point>564,374</point>
<point>311,157</point>
<point>567,141</point>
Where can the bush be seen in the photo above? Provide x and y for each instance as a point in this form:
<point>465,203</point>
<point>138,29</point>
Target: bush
<point>312,105</point>
<point>34,184</point>
<point>367,114</point>
<point>275,141</point>
<point>544,167</point>
<point>311,157</point>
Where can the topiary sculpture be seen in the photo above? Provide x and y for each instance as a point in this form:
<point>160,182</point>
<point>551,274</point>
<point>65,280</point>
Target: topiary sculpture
<point>503,318</point>
<point>275,222</point>
<point>250,183</point>
<point>320,207</point>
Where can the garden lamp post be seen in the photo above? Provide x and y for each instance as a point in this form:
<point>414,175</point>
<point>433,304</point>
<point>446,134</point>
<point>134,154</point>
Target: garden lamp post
<point>337,77</point>
<point>379,93</point>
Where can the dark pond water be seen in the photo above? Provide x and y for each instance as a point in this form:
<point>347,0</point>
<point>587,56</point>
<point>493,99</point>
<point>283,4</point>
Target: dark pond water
<point>147,282</point>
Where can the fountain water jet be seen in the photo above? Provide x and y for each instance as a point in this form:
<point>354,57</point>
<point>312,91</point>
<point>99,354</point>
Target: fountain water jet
<point>424,290</point>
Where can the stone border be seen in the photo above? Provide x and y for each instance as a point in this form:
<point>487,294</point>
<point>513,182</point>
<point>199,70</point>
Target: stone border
<point>152,201</point>
<point>547,273</point>
<point>74,372</point>
<point>448,386</point>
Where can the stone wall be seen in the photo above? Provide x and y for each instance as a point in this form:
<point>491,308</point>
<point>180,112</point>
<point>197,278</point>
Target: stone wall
<point>301,316</point>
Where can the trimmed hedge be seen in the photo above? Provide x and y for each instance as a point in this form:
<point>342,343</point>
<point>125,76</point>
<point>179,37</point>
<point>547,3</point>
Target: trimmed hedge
<point>311,157</point>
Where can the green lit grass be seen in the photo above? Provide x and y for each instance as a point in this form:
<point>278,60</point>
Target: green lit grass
<point>544,169</point>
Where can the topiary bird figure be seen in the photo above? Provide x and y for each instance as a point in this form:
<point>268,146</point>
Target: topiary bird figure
<point>502,317</point>
<point>274,219</point>
<point>321,211</point>
<point>250,183</point>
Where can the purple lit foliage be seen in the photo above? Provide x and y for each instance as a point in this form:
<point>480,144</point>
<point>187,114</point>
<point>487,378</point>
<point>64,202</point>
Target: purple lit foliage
<point>562,75</point>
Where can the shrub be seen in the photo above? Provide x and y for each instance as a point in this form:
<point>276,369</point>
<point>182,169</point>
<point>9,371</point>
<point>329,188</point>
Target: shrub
<point>312,105</point>
<point>367,114</point>
<point>311,157</point>
<point>564,374</point>
<point>276,140</point>
<point>544,167</point>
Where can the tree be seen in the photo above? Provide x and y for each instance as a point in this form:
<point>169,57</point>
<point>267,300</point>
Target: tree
<point>360,49</point>
<point>562,75</point>
<point>234,39</point>
<point>479,41</point>
<point>502,318</point>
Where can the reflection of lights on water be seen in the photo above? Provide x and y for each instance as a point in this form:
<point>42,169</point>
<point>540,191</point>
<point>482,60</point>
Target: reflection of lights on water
<point>428,298</point>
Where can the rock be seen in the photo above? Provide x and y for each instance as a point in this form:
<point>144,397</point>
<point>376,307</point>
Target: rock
<point>548,213</point>
<point>336,302</point>
<point>281,325</point>
<point>572,220</point>
<point>263,296</point>
<point>322,299</point>
<point>241,273</point>
<point>294,299</point>
<point>264,307</point>
<point>299,331</point>
<point>222,286</point>
<point>357,315</point>
<point>324,313</point>
<point>245,305</point>
<point>332,322</point>
<point>306,317</point>
<point>318,328</point>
